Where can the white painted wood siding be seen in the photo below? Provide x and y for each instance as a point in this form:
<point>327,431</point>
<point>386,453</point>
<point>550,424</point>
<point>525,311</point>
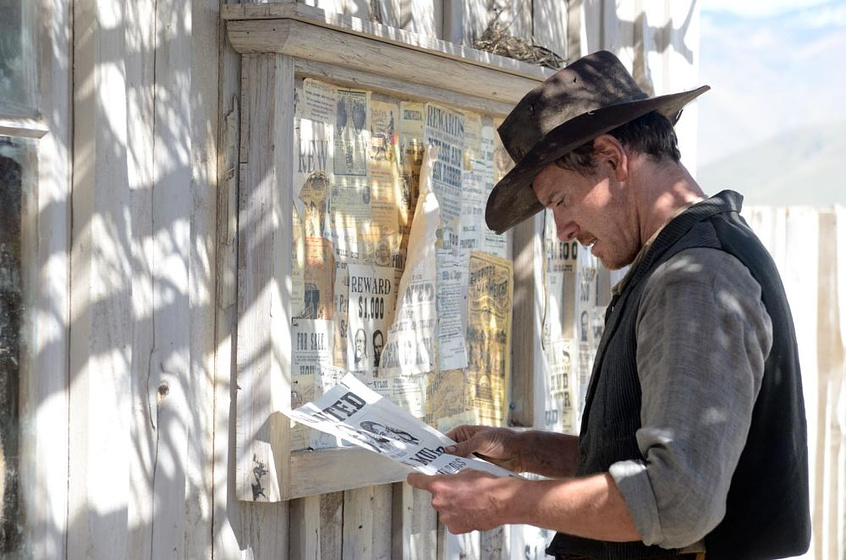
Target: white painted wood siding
<point>154,346</point>
<point>142,279</point>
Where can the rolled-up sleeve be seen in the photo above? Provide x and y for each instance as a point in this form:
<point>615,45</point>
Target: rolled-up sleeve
<point>703,335</point>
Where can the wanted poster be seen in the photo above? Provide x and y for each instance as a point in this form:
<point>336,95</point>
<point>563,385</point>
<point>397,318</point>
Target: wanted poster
<point>354,412</point>
<point>372,295</point>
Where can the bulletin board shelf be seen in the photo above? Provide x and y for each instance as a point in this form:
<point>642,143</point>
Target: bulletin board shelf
<point>282,45</point>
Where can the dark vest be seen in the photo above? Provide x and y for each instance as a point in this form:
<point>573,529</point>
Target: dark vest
<point>767,510</point>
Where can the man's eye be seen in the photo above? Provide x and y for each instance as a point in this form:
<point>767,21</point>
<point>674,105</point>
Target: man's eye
<point>561,202</point>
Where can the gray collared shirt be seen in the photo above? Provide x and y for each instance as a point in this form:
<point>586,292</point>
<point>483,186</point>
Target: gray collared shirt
<point>698,390</point>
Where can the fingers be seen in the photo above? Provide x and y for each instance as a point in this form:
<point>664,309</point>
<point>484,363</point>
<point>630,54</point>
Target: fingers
<point>419,480</point>
<point>466,440</point>
<point>463,449</point>
<point>463,432</point>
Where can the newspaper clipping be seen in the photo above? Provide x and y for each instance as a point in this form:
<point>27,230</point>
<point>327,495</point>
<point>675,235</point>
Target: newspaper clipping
<point>444,129</point>
<point>489,300</point>
<point>559,412</point>
<point>372,293</point>
<point>411,151</point>
<point>587,336</point>
<point>451,291</point>
<point>410,347</point>
<point>311,374</point>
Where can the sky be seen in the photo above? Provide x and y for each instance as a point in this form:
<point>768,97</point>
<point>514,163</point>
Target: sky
<point>758,8</point>
<point>774,66</point>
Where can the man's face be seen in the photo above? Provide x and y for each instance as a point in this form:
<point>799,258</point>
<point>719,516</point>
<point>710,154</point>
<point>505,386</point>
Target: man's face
<point>595,211</point>
<point>359,345</point>
<point>377,347</point>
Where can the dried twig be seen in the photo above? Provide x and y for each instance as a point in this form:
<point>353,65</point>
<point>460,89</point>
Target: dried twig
<point>495,40</point>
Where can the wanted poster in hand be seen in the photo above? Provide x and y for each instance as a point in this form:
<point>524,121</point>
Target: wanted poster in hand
<point>354,412</point>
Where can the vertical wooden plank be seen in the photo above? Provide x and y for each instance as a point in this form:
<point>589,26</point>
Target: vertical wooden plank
<point>401,521</point>
<point>228,511</point>
<point>654,31</point>
<point>529,300</point>
<point>386,12</point>
<point>316,527</point>
<point>831,361</point>
<point>682,71</point>
<point>575,15</point>
<point>800,278</point>
<point>264,265</point>
<point>618,24</point>
<point>382,521</point>
<point>199,414</point>
<point>425,17</point>
<point>358,8</point>
<point>174,395</point>
<point>465,21</point>
<point>792,237</point>
<point>241,529</point>
<point>305,528</point>
<point>44,398</point>
<point>529,543</point>
<point>252,361</point>
<point>550,23</point>
<point>455,547</point>
<point>591,18</point>
<point>101,322</point>
<point>140,36</point>
<point>358,523</point>
<point>415,523</point>
<point>329,6</point>
<point>331,525</point>
<point>838,420</point>
<point>494,544</point>
<point>226,507</point>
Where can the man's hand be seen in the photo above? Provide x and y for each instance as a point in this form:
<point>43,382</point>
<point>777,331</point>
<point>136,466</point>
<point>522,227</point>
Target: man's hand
<point>500,446</point>
<point>545,453</point>
<point>470,500</point>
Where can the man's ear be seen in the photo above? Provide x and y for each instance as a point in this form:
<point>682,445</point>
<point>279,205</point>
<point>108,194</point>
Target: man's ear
<point>610,152</point>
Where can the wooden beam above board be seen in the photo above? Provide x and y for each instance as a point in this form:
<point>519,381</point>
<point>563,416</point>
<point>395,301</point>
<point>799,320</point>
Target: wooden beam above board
<point>296,29</point>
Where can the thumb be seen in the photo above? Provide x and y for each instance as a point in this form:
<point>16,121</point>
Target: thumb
<point>418,480</point>
<point>464,448</point>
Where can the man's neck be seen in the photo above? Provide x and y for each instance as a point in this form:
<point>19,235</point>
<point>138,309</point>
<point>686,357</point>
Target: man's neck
<point>662,190</point>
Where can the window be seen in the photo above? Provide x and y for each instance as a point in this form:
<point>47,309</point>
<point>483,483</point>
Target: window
<point>18,82</point>
<point>17,172</point>
<point>19,112</point>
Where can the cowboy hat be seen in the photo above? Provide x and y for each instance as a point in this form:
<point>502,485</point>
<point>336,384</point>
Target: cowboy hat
<point>588,98</point>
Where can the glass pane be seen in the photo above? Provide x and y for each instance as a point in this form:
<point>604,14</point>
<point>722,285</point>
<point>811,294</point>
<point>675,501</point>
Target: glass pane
<point>16,172</point>
<point>18,83</point>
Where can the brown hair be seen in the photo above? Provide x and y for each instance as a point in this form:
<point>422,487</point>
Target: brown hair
<point>651,135</point>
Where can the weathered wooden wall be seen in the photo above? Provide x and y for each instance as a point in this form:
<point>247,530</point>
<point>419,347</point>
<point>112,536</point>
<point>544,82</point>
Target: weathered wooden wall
<point>142,279</point>
<point>154,296</point>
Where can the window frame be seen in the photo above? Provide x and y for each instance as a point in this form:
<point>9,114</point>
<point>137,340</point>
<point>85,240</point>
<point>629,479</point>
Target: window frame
<point>44,383</point>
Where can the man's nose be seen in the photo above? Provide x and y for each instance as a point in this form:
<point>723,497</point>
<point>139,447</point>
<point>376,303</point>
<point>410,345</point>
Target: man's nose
<point>568,231</point>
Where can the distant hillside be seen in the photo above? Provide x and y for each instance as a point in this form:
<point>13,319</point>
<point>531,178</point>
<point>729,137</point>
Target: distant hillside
<point>769,74</point>
<point>804,166</point>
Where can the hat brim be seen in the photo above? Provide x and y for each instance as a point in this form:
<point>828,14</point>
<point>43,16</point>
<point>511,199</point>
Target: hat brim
<point>513,200</point>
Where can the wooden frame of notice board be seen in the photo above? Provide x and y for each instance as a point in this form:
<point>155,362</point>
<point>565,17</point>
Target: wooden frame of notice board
<point>281,44</point>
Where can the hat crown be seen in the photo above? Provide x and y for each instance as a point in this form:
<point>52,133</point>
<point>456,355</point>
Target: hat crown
<point>593,82</point>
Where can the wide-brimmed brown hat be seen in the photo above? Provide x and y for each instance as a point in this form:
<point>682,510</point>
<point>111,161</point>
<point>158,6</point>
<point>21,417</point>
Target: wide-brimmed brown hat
<point>588,98</point>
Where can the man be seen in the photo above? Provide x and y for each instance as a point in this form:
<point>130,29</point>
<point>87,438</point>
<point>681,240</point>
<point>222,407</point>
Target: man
<point>359,350</point>
<point>693,438</point>
<point>378,344</point>
<point>389,432</point>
